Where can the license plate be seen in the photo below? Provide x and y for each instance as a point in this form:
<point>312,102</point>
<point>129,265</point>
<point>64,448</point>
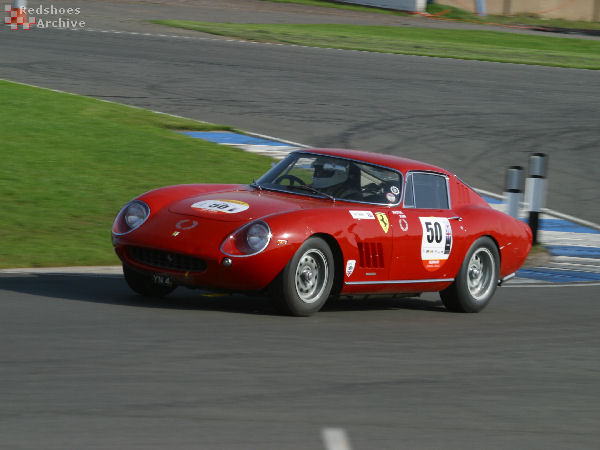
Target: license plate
<point>162,280</point>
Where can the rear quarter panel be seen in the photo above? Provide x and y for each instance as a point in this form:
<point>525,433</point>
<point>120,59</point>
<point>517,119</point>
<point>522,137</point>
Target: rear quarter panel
<point>512,236</point>
<point>480,219</point>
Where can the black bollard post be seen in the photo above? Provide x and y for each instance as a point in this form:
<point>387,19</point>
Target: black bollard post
<point>513,188</point>
<point>535,190</point>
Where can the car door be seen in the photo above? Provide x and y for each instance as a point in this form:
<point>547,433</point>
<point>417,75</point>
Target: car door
<point>428,235</point>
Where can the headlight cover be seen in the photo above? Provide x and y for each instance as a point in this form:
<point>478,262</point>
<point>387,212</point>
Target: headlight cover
<point>248,240</point>
<point>131,216</point>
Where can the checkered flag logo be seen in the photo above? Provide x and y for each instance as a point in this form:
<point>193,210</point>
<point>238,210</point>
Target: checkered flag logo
<point>15,17</point>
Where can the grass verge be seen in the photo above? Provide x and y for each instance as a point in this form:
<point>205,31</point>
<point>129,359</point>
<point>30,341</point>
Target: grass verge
<point>70,162</point>
<point>340,5</point>
<point>460,44</point>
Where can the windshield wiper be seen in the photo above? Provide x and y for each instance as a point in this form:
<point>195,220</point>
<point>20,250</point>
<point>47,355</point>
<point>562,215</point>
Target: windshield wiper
<point>306,187</point>
<point>255,185</point>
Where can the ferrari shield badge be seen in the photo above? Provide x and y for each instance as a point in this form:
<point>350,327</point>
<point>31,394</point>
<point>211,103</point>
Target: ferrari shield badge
<point>383,221</point>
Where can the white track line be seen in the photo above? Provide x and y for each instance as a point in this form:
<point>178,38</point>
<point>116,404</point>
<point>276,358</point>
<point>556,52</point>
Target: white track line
<point>335,439</point>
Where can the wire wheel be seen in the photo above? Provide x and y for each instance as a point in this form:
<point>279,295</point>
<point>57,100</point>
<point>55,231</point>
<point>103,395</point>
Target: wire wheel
<point>312,275</point>
<point>481,273</point>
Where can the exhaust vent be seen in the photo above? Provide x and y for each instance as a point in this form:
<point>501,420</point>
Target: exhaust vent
<point>370,255</point>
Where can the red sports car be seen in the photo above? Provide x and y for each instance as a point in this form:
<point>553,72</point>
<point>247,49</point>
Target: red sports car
<point>322,223</point>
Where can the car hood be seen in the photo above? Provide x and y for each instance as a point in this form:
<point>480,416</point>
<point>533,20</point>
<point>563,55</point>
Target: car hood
<point>235,205</point>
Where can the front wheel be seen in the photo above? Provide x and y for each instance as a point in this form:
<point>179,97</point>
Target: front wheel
<point>145,284</point>
<point>477,278</point>
<point>305,283</point>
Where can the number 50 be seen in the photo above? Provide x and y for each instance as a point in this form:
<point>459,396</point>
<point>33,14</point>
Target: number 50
<point>434,232</point>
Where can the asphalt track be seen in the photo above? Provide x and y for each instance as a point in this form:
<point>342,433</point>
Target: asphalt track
<point>84,363</point>
<point>87,364</point>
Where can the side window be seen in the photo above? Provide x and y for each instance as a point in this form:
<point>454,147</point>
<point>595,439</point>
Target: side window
<point>409,193</point>
<point>430,191</point>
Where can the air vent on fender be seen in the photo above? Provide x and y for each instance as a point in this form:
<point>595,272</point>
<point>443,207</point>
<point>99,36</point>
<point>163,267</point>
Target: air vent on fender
<point>370,255</point>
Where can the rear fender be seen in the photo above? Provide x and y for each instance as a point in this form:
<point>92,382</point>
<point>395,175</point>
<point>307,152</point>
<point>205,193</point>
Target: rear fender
<point>512,236</point>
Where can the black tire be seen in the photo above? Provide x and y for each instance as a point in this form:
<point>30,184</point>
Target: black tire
<point>144,285</point>
<point>476,280</point>
<point>306,281</point>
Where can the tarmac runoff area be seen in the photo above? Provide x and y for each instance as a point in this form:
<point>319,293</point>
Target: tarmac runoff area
<point>573,245</point>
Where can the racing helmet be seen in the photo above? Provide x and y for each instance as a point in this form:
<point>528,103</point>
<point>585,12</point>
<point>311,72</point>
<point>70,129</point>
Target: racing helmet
<point>328,173</point>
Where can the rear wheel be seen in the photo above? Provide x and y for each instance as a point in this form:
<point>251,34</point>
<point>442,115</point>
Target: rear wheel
<point>145,285</point>
<point>305,283</point>
<point>477,278</point>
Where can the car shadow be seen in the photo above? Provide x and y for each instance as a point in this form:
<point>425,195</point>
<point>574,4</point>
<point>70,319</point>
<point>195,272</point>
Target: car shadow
<point>113,290</point>
<point>390,302</point>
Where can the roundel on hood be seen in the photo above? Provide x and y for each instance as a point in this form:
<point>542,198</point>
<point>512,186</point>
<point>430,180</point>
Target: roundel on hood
<point>233,206</point>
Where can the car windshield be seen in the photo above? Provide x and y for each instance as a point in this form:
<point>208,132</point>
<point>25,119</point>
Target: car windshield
<point>333,177</point>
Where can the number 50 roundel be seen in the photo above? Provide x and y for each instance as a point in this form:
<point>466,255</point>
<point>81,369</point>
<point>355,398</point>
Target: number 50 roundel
<point>436,242</point>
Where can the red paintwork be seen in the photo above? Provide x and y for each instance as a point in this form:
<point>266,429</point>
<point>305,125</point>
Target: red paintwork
<point>294,218</point>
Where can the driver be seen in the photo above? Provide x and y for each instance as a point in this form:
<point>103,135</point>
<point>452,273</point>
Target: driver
<point>340,178</point>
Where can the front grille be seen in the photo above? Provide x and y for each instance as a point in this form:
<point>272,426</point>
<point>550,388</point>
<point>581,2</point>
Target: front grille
<point>166,260</point>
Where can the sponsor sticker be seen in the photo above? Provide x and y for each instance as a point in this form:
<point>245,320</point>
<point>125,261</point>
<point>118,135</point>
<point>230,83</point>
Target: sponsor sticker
<point>394,190</point>
<point>383,221</point>
<point>350,265</point>
<point>402,219</point>
<point>390,197</point>
<point>403,224</point>
<point>222,206</point>
<point>362,215</point>
<point>436,243</point>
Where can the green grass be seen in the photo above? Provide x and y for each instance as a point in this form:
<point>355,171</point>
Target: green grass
<point>461,44</point>
<point>70,162</point>
<point>458,14</point>
<point>346,6</point>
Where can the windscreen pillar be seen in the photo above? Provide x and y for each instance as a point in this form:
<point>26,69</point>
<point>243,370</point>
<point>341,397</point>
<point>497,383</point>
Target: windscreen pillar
<point>513,190</point>
<point>535,189</point>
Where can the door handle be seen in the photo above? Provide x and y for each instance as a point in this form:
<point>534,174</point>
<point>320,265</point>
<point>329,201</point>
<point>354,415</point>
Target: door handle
<point>456,218</point>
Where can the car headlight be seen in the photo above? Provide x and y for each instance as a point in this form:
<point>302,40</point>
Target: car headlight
<point>131,216</point>
<point>258,236</point>
<point>249,240</point>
